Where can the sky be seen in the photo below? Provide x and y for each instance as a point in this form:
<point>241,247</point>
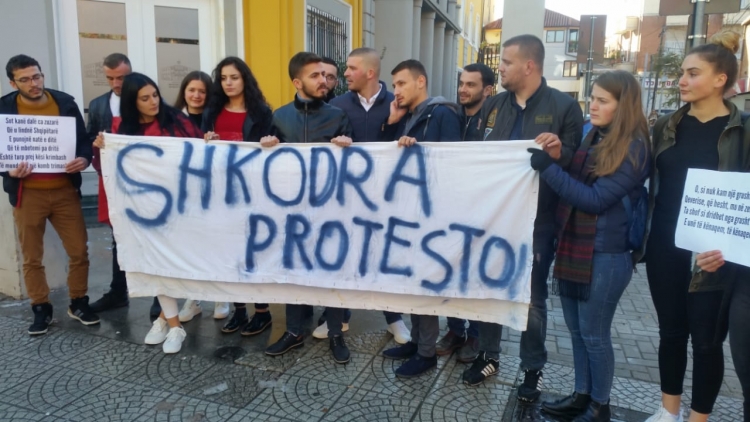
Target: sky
<point>614,9</point>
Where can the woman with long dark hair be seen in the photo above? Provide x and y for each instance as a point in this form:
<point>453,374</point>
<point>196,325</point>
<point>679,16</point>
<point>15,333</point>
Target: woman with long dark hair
<point>593,265</point>
<point>707,133</point>
<point>238,111</point>
<point>195,91</point>
<point>143,112</point>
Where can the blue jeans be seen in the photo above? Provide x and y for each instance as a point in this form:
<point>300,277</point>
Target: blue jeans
<point>590,324</point>
<point>458,326</point>
<point>533,352</point>
<point>739,336</point>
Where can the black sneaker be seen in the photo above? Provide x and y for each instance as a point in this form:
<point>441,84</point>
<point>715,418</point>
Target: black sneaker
<point>258,323</point>
<point>339,349</point>
<point>450,342</point>
<point>416,366</point>
<point>42,319</point>
<point>110,300</point>
<point>531,388</point>
<point>405,351</point>
<point>236,321</point>
<point>482,368</point>
<point>79,310</point>
<point>155,310</point>
<point>286,343</point>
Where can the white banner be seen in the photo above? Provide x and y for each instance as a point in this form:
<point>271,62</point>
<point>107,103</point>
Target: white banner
<point>440,229</point>
<point>715,214</point>
<point>46,142</point>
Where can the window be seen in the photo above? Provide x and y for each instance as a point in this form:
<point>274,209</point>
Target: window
<point>570,69</point>
<point>555,36</point>
<point>573,41</point>
<point>326,34</point>
<point>470,26</point>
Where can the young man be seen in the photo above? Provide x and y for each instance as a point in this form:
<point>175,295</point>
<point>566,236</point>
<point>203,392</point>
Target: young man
<point>415,117</point>
<point>368,105</point>
<point>474,87</point>
<point>38,197</point>
<point>529,109</point>
<point>309,119</point>
<point>331,69</point>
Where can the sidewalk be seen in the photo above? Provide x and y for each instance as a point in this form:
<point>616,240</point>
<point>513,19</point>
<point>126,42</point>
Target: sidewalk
<point>105,373</point>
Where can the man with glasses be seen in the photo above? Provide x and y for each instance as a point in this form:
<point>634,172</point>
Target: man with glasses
<point>332,77</point>
<point>56,197</point>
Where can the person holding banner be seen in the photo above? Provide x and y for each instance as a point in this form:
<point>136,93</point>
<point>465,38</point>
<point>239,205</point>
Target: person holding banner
<point>38,197</point>
<point>309,119</point>
<point>593,265</point>
<point>417,117</point>
<point>143,112</point>
<point>237,111</point>
<point>706,133</point>
<point>528,109</point>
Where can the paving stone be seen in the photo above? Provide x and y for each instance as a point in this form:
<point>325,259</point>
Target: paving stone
<point>114,401</point>
<point>355,406</point>
<point>232,385</point>
<point>297,398</point>
<point>168,372</point>
<point>15,370</point>
<point>112,358</point>
<point>452,403</point>
<point>65,346</point>
<point>177,408</point>
<point>18,414</point>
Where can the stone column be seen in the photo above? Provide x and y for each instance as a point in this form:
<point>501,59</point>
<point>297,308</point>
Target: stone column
<point>449,65</point>
<point>438,62</point>
<point>415,29</point>
<point>426,45</point>
<point>393,32</point>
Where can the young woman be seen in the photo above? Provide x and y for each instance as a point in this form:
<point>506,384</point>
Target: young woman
<point>238,111</point>
<point>594,264</point>
<point>195,90</point>
<point>706,133</point>
<point>143,112</point>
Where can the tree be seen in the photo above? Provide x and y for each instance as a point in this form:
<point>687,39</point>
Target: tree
<point>669,64</point>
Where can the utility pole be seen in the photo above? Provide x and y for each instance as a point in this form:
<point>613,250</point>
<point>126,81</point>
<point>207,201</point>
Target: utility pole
<point>658,66</point>
<point>699,12</point>
<point>589,66</point>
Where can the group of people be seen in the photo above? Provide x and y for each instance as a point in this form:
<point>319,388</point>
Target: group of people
<point>583,224</point>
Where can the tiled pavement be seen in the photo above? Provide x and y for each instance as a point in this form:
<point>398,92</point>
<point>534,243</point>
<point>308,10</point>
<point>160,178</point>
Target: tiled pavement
<point>105,373</point>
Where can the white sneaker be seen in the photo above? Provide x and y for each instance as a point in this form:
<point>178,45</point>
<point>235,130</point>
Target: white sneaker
<point>400,333</point>
<point>158,332</point>
<point>663,415</point>
<point>322,331</point>
<point>221,310</point>
<point>173,344</point>
<point>190,309</point>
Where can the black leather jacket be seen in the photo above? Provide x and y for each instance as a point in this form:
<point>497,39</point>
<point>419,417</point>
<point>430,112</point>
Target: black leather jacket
<point>69,108</point>
<point>100,116</point>
<point>253,128</point>
<point>309,121</point>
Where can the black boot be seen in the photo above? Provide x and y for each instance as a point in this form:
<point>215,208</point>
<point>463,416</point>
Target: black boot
<point>596,412</point>
<point>569,407</point>
<point>42,319</point>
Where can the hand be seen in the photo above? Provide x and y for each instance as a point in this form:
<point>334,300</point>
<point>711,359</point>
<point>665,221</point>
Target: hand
<point>22,170</point>
<point>710,261</point>
<point>211,136</point>
<point>342,141</point>
<point>396,113</point>
<point>540,160</point>
<point>551,144</point>
<point>77,165</point>
<point>269,141</point>
<point>406,141</point>
<point>99,141</point>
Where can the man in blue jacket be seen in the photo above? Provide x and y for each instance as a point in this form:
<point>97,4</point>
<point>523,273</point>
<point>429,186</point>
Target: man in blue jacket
<point>415,117</point>
<point>38,197</point>
<point>368,105</point>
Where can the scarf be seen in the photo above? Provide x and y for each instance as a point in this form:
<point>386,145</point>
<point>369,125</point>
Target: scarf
<point>575,248</point>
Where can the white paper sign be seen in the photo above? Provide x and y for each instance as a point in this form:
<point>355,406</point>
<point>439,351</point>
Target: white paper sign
<point>46,142</point>
<point>441,229</point>
<point>715,214</point>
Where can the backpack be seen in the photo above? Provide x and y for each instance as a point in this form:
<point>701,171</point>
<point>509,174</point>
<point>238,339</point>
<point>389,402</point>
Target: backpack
<point>637,212</point>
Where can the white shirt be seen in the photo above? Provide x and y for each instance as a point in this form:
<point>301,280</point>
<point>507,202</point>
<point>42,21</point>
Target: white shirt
<point>368,103</point>
<point>114,104</point>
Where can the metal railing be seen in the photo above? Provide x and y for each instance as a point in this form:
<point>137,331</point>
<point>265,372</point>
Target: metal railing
<point>327,36</point>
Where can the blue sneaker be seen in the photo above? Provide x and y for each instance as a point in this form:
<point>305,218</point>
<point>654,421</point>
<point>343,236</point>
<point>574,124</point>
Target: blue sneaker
<point>416,366</point>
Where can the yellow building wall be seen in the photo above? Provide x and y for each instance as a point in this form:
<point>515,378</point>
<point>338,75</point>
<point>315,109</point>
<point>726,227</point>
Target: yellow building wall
<point>274,31</point>
<point>465,12</point>
<point>493,36</point>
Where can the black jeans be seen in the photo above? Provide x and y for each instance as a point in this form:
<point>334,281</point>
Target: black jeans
<point>739,336</point>
<point>119,283</point>
<point>257,305</point>
<point>684,315</point>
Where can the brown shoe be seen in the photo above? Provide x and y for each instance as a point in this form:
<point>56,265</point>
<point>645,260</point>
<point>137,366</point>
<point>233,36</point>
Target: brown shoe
<point>449,343</point>
<point>469,351</point>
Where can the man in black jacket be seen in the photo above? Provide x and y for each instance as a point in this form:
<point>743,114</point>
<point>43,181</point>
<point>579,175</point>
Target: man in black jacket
<point>529,109</point>
<point>56,197</point>
<point>101,111</point>
<point>474,87</point>
<point>309,119</point>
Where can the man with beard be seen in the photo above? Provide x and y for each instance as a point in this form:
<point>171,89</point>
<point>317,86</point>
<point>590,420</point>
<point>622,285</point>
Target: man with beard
<point>529,109</point>
<point>474,86</point>
<point>38,197</point>
<point>332,77</point>
<point>309,119</point>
